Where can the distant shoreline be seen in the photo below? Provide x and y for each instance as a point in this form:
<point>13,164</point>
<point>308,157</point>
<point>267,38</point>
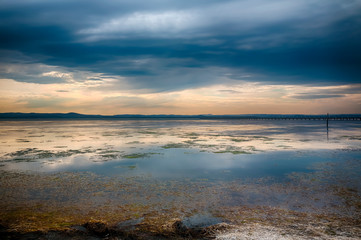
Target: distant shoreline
<point>77,116</point>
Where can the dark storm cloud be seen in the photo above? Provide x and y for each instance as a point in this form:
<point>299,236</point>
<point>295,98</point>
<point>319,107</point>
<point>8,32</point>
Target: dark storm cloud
<point>165,45</point>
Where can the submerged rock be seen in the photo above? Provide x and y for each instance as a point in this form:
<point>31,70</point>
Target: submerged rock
<point>79,229</point>
<point>180,229</point>
<point>197,226</point>
<point>97,228</point>
<point>201,221</point>
<point>129,224</point>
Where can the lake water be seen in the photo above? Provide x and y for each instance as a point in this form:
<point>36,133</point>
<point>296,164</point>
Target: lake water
<point>143,169</point>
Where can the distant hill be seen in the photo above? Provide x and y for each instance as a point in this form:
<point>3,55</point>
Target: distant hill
<point>77,116</point>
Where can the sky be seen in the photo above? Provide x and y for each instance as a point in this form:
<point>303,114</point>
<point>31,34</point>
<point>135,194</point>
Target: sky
<point>180,57</point>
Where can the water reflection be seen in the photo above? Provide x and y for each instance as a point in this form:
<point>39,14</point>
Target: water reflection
<point>153,171</point>
<point>170,147</point>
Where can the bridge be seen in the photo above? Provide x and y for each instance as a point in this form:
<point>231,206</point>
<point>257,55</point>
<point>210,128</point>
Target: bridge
<point>280,117</point>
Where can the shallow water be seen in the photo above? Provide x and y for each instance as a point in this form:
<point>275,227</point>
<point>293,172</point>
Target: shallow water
<point>179,167</point>
<point>173,147</point>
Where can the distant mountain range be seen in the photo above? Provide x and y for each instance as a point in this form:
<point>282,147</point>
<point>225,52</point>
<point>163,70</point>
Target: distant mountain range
<point>77,116</point>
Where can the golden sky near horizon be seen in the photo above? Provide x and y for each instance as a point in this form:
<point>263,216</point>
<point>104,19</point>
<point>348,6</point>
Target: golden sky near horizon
<point>102,97</point>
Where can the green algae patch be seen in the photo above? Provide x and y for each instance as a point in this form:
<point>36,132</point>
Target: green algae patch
<point>110,156</point>
<point>263,138</point>
<point>64,136</point>
<point>107,154</point>
<point>36,136</point>
<point>135,142</point>
<point>251,148</point>
<point>138,155</point>
<point>357,137</point>
<point>175,145</point>
<point>239,140</point>
<point>107,151</point>
<point>284,147</point>
<point>149,132</point>
<point>235,150</point>
<point>33,154</point>
<point>114,133</point>
<point>192,135</point>
<point>23,152</point>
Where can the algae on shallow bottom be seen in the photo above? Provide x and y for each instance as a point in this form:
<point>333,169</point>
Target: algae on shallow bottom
<point>149,132</point>
<point>135,142</point>
<point>110,156</point>
<point>175,145</point>
<point>239,140</point>
<point>138,155</point>
<point>65,199</point>
<point>31,154</point>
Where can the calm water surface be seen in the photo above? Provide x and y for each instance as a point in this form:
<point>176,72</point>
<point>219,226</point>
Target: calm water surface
<point>176,148</point>
<point>180,166</point>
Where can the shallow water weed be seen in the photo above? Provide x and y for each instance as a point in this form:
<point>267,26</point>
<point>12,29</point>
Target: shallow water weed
<point>36,136</point>
<point>138,155</point>
<point>239,140</point>
<point>107,151</point>
<point>357,137</point>
<point>148,132</point>
<point>22,140</point>
<point>64,136</point>
<point>175,145</point>
<point>135,142</point>
<point>33,154</point>
<point>23,152</point>
<point>110,156</point>
<point>114,133</point>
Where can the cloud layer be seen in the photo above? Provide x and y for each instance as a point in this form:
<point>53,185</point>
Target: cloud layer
<point>165,46</point>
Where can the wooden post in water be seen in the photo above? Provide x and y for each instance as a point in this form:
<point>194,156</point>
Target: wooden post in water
<point>327,121</point>
<point>327,125</point>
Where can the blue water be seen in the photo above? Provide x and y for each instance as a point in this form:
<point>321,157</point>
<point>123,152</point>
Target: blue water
<point>189,164</point>
<point>262,148</point>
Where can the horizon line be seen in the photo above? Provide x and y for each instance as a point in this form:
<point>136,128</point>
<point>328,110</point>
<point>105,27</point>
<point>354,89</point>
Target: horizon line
<point>14,115</point>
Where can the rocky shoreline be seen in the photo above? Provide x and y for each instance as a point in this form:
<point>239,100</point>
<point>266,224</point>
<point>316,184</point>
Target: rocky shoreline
<point>100,230</point>
<point>180,229</point>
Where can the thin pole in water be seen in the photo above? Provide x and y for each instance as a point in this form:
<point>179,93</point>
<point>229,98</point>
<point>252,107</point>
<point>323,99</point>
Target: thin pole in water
<point>327,125</point>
